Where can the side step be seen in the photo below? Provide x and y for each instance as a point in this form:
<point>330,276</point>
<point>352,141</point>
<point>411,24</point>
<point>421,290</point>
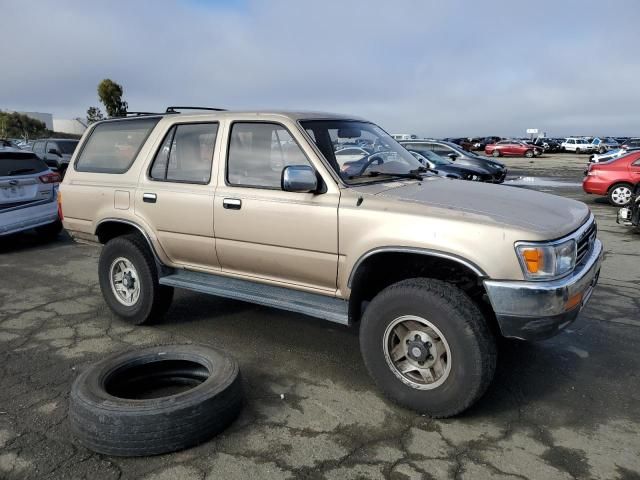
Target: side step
<point>312,304</point>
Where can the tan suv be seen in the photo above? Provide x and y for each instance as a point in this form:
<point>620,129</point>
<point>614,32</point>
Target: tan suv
<point>257,206</point>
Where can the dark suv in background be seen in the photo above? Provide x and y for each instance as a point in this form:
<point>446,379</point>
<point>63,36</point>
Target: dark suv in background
<point>56,152</point>
<point>461,157</point>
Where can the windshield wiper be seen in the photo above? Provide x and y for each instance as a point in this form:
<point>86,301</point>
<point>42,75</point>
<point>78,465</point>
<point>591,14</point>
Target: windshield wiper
<point>374,173</point>
<point>21,170</point>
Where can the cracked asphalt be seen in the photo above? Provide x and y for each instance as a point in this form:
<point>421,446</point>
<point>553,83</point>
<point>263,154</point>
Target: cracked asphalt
<point>567,408</point>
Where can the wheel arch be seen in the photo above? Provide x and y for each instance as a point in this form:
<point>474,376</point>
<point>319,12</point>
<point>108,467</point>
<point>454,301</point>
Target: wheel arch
<point>379,268</point>
<point>109,228</point>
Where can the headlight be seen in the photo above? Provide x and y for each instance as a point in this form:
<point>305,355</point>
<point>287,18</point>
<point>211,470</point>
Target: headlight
<point>539,261</point>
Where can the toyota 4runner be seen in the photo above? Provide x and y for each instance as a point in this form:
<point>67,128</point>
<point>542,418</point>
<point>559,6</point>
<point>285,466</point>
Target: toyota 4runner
<point>258,207</point>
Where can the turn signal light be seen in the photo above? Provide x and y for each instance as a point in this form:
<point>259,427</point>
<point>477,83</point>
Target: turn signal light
<point>533,259</point>
<point>60,215</point>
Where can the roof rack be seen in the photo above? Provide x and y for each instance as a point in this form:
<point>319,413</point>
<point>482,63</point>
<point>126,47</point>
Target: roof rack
<point>175,109</point>
<point>138,114</point>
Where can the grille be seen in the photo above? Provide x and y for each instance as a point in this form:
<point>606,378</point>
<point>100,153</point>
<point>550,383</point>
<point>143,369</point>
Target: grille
<point>585,242</point>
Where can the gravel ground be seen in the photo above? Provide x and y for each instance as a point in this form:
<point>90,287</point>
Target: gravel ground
<point>561,409</point>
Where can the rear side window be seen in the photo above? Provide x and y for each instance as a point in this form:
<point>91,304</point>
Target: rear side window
<point>113,146</point>
<point>20,163</point>
<point>186,154</point>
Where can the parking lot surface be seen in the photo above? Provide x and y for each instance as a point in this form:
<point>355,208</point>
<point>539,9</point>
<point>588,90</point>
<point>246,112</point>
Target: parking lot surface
<point>561,409</point>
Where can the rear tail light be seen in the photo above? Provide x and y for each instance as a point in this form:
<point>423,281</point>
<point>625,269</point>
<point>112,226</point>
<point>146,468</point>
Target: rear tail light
<point>60,215</point>
<point>52,177</point>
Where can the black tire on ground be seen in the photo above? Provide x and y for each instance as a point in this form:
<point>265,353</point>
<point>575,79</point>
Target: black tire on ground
<point>528,154</point>
<point>496,153</point>
<point>154,299</point>
<point>472,345</point>
<point>155,400</point>
<point>578,151</point>
<point>50,231</point>
<point>616,187</point>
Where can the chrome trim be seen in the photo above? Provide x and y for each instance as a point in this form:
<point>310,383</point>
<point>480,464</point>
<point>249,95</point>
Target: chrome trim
<point>149,196</point>
<point>524,306</point>
<point>418,251</point>
<point>133,224</point>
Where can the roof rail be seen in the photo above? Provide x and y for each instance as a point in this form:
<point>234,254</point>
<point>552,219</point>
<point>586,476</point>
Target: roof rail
<point>175,109</point>
<point>137,114</point>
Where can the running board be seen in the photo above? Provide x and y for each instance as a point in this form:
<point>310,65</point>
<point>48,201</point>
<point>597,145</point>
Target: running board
<point>312,304</point>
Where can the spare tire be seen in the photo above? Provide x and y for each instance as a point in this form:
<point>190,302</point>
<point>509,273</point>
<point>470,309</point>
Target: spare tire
<point>155,400</point>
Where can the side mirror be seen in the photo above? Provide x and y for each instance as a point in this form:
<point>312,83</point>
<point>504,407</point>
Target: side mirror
<point>453,156</point>
<point>54,151</point>
<point>299,178</point>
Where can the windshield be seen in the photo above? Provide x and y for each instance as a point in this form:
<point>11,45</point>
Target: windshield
<point>67,146</point>
<point>361,151</point>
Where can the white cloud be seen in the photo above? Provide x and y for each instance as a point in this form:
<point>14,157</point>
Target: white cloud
<point>433,68</point>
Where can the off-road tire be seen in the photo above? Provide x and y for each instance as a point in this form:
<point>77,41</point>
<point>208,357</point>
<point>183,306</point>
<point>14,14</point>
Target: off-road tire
<point>49,231</point>
<point>473,346</point>
<point>154,299</point>
<point>114,423</point>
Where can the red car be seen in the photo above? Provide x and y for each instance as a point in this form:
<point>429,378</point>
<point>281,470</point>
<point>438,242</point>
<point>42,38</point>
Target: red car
<point>512,147</point>
<point>614,178</point>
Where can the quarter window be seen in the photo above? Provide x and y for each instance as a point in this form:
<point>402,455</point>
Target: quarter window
<point>186,154</point>
<point>113,146</point>
<point>258,152</point>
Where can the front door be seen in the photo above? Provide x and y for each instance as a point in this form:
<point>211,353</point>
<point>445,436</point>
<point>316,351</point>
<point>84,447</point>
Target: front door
<point>264,232</point>
<point>175,195</point>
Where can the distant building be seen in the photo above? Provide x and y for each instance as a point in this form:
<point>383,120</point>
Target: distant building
<point>46,118</point>
<point>75,126</point>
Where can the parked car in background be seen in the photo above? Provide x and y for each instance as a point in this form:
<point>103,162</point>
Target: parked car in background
<point>611,154</point>
<point>604,144</point>
<point>548,145</point>
<point>462,142</point>
<point>512,147</point>
<point>28,194</point>
<point>630,215</point>
<point>459,156</point>
<point>615,178</point>
<point>631,143</point>
<point>56,152</point>
<point>404,136</point>
<point>446,168</point>
<point>577,145</point>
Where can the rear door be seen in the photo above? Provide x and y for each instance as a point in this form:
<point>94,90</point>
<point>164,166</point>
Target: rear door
<point>175,194</point>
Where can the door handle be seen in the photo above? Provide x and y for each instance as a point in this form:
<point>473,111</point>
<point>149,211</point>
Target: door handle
<point>149,197</point>
<point>232,203</point>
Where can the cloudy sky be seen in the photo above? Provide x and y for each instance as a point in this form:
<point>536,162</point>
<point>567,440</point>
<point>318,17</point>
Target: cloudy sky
<point>436,68</point>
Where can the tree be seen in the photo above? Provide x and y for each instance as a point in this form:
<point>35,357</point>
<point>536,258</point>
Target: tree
<point>94,114</point>
<point>17,125</point>
<point>110,94</point>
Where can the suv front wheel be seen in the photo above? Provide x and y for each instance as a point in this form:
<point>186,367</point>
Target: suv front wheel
<point>428,347</point>
<point>129,281</point>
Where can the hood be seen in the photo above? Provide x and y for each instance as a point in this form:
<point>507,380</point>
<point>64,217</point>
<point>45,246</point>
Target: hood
<point>549,216</point>
<point>472,169</point>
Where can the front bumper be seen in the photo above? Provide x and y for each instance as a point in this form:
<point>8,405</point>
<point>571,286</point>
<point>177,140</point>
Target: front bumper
<point>539,310</point>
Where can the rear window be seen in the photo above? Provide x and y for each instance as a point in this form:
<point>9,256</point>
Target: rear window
<point>20,163</point>
<point>113,146</point>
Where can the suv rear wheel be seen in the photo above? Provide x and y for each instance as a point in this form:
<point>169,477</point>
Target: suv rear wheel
<point>129,281</point>
<point>428,347</point>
